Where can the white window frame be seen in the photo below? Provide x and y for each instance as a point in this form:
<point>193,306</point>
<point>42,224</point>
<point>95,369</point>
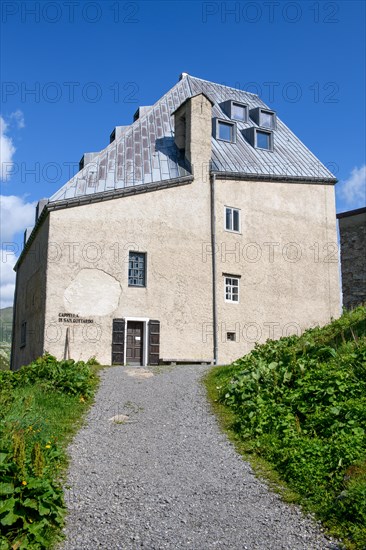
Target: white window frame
<point>232,208</point>
<point>230,300</point>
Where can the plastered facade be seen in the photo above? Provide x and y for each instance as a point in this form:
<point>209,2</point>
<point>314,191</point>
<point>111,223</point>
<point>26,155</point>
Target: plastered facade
<point>285,256</point>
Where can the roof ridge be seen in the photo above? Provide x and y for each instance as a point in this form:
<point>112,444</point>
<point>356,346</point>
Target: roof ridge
<point>223,85</point>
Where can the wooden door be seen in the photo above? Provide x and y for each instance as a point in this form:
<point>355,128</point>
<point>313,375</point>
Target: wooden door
<point>134,343</point>
<point>118,342</point>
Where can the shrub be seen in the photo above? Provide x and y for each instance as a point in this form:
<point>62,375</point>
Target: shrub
<point>300,402</point>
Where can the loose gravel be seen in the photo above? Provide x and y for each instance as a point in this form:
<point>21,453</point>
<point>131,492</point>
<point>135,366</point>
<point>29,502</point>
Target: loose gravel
<point>166,477</point>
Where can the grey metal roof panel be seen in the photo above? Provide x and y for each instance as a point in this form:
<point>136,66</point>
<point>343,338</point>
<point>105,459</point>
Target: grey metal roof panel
<point>145,152</point>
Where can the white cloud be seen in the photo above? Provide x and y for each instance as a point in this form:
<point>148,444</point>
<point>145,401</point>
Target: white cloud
<point>16,216</point>
<point>7,151</point>
<point>7,276</point>
<point>18,116</point>
<point>353,190</point>
<point>7,148</point>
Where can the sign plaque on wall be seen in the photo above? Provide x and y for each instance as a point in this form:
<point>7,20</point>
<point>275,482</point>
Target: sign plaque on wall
<point>72,318</point>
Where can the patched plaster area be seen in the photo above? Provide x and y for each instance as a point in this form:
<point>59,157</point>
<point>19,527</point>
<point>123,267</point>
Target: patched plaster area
<point>92,292</point>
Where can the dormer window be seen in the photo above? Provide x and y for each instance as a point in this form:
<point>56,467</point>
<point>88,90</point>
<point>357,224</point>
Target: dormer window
<point>236,110</point>
<point>267,119</point>
<point>263,117</point>
<point>239,112</point>
<point>263,140</point>
<point>259,138</point>
<point>224,130</point>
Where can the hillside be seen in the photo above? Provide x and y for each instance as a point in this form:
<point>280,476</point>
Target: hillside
<point>6,320</point>
<point>299,404</point>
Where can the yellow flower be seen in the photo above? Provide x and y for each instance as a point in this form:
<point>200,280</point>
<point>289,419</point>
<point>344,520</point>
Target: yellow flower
<point>82,400</point>
<point>24,483</point>
<point>48,446</point>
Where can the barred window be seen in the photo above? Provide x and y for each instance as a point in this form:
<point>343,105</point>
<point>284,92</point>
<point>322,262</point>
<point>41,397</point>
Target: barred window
<point>231,289</point>
<point>137,269</point>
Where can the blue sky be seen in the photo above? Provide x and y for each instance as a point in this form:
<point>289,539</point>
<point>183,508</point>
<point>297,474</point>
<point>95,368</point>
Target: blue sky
<point>71,71</point>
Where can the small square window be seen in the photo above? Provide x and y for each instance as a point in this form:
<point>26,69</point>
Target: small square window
<point>239,112</point>
<point>231,336</point>
<point>232,289</point>
<point>137,269</point>
<point>232,219</point>
<point>263,140</point>
<point>235,110</point>
<point>267,120</point>
<point>226,131</point>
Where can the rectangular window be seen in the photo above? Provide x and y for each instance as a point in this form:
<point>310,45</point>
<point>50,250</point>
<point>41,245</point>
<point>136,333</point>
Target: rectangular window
<point>239,112</point>
<point>267,119</point>
<point>232,219</point>
<point>232,289</point>
<point>264,140</point>
<point>231,336</point>
<point>226,131</point>
<point>137,269</point>
<point>23,334</point>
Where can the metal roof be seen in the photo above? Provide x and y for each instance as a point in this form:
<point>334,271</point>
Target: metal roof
<point>146,153</point>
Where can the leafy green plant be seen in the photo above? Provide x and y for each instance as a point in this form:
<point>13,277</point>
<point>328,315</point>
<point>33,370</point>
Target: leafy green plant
<point>40,408</point>
<point>300,403</point>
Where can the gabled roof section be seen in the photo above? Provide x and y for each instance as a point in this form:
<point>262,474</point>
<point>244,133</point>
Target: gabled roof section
<point>146,153</point>
<point>290,156</point>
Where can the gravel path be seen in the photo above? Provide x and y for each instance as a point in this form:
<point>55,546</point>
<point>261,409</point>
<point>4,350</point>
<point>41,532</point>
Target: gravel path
<point>168,478</point>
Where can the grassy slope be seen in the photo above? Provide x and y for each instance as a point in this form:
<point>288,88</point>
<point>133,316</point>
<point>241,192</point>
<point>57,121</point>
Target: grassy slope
<point>38,417</point>
<point>6,320</point>
<point>297,409</point>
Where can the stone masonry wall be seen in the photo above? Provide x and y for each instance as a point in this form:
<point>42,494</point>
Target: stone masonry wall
<point>353,258</point>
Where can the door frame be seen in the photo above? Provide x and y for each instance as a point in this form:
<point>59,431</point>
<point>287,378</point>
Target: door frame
<point>145,322</point>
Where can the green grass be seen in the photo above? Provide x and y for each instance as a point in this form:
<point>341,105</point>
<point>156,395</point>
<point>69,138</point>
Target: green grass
<point>297,409</point>
<point>41,408</point>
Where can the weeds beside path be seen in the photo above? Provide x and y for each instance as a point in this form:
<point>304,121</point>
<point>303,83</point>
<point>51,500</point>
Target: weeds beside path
<point>41,407</point>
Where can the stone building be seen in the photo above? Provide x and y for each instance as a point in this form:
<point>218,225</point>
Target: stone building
<point>352,229</point>
<point>206,211</point>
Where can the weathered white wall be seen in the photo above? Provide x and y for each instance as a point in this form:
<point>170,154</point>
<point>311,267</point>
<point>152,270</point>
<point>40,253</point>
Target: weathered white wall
<point>169,226</point>
<point>30,300</point>
<point>286,255</point>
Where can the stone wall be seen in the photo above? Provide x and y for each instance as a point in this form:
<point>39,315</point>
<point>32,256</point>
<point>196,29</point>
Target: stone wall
<point>352,227</point>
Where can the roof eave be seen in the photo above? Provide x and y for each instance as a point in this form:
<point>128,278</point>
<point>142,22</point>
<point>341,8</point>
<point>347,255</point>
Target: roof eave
<point>273,177</point>
<point>99,197</point>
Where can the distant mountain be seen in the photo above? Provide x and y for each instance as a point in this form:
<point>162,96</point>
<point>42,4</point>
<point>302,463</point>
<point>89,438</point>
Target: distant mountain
<point>6,322</point>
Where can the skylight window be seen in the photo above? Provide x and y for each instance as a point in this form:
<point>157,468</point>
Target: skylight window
<point>224,130</point>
